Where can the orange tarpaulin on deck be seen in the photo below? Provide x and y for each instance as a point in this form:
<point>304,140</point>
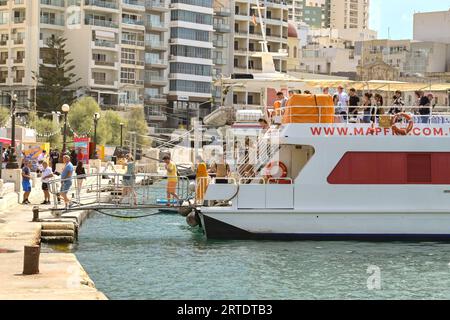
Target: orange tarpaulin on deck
<point>308,108</point>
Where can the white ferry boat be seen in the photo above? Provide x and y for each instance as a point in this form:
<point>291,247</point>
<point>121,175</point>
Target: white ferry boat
<point>329,178</point>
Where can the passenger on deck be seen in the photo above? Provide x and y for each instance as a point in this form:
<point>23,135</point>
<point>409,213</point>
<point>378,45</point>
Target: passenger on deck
<point>221,170</point>
<point>263,123</point>
<point>282,99</point>
<point>424,106</point>
<point>367,107</point>
<point>66,179</point>
<point>201,180</point>
<point>129,180</point>
<point>353,103</point>
<point>397,103</point>
<point>326,91</point>
<point>172,180</point>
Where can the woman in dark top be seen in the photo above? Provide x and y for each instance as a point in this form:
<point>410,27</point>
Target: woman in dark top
<point>424,106</point>
<point>367,105</point>
<point>81,176</point>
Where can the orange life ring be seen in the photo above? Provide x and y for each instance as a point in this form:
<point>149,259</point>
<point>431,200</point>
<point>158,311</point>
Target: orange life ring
<point>274,164</point>
<point>402,131</point>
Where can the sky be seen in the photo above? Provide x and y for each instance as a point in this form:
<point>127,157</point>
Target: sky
<point>397,15</point>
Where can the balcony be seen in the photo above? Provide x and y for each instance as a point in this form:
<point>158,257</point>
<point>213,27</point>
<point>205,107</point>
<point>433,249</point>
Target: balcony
<point>19,41</point>
<point>18,20</point>
<point>132,81</point>
<point>156,45</point>
<point>18,80</point>
<point>220,61</point>
<point>57,21</point>
<point>220,43</point>
<point>3,80</point>
<point>133,62</point>
<point>3,43</point>
<point>137,5</point>
<point>222,28</point>
<point>135,43</point>
<point>103,83</point>
<point>222,12</point>
<point>102,4</point>
<point>100,63</point>
<point>54,3</point>
<point>156,115</point>
<point>157,63</point>
<point>105,44</point>
<point>156,25</point>
<point>156,81</point>
<point>157,5</point>
<point>156,99</point>
<point>19,60</point>
<point>133,22</point>
<point>4,61</point>
<point>101,23</point>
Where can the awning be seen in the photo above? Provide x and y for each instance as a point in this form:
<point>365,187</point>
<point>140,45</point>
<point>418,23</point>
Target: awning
<point>105,35</point>
<point>7,141</point>
<point>280,81</point>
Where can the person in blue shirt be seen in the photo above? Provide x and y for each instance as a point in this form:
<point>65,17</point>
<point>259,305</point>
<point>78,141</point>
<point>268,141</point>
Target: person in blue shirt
<point>66,179</point>
<point>26,184</point>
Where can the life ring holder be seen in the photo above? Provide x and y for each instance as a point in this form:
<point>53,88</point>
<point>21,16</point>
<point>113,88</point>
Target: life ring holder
<point>284,172</point>
<point>402,131</point>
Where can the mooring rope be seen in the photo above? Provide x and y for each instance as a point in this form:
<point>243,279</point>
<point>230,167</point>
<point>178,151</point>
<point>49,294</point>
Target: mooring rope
<point>126,217</point>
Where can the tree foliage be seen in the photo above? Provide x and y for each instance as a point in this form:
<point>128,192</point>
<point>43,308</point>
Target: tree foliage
<point>47,130</point>
<point>55,77</point>
<point>4,116</point>
<point>81,120</point>
<point>136,123</point>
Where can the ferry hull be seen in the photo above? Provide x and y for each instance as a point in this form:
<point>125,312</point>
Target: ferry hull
<point>418,226</point>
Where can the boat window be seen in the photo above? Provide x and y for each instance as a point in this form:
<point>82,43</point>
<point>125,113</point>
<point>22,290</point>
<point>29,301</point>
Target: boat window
<point>392,168</point>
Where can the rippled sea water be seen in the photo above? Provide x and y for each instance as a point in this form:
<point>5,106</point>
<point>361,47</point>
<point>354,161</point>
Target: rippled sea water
<point>160,257</point>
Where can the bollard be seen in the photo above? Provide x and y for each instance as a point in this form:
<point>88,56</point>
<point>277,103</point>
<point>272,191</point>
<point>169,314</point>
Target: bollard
<point>35,214</point>
<point>31,260</point>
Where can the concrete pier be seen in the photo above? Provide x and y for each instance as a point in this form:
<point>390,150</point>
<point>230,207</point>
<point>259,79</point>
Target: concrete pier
<point>61,276</point>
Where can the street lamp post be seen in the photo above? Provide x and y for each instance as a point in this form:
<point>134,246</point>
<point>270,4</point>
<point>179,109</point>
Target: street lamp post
<point>65,109</point>
<point>12,161</point>
<point>96,118</point>
<point>121,135</point>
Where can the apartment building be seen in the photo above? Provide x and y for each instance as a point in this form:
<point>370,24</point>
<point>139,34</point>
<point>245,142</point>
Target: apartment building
<point>311,12</point>
<point>23,25</point>
<point>332,51</point>
<point>347,14</point>
<point>106,42</point>
<point>105,39</point>
<point>156,60</point>
<point>190,59</point>
<point>432,26</point>
<point>408,58</point>
<point>247,41</point>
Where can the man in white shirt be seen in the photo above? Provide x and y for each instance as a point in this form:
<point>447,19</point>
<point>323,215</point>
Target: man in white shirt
<point>47,174</point>
<point>341,108</point>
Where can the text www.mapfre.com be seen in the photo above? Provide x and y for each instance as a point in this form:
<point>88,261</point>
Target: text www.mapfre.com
<point>369,131</point>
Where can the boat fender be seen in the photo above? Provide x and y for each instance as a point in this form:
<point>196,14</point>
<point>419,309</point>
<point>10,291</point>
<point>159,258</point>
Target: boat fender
<point>192,219</point>
<point>185,211</point>
<point>192,187</point>
<point>402,131</point>
<point>281,168</point>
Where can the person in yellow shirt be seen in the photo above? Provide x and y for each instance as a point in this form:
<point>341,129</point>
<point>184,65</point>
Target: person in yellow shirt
<point>201,180</point>
<point>172,180</point>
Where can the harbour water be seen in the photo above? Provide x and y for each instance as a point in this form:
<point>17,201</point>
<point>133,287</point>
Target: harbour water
<point>162,258</point>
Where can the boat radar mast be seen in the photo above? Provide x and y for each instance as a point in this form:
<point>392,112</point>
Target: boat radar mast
<point>268,65</point>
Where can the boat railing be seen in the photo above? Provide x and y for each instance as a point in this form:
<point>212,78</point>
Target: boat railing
<point>115,191</point>
<point>357,114</point>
